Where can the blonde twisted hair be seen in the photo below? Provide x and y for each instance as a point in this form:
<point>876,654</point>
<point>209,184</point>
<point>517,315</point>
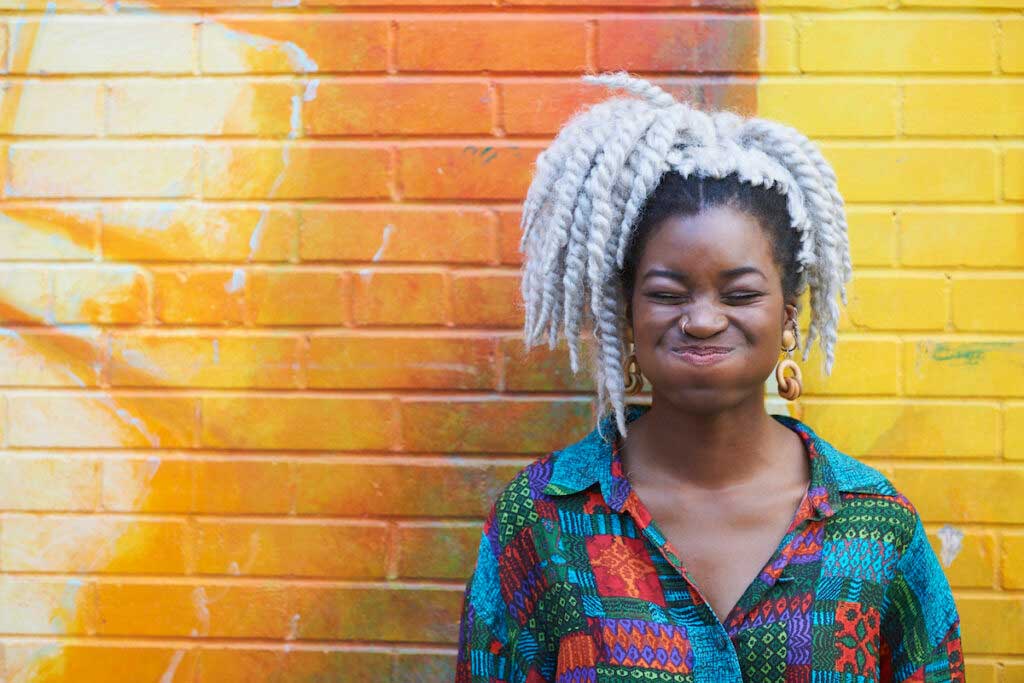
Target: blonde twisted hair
<point>591,184</point>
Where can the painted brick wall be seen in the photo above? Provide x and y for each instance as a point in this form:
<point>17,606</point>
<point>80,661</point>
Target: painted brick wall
<point>259,368</point>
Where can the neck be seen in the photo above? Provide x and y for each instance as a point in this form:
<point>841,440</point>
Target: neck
<point>704,450</point>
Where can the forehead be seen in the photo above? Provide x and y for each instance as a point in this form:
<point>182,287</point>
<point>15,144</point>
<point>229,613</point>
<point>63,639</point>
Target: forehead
<point>711,240</point>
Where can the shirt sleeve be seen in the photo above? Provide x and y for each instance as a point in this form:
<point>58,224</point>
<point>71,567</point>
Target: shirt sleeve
<point>921,627</point>
<point>483,629</point>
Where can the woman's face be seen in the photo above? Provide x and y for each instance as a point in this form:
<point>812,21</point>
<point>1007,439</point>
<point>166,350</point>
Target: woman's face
<point>713,272</point>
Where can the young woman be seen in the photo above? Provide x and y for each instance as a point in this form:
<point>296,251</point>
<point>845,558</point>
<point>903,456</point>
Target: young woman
<point>698,538</point>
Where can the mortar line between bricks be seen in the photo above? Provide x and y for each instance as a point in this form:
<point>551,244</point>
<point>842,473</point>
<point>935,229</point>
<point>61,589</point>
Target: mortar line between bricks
<point>242,642</point>
<point>227,580</point>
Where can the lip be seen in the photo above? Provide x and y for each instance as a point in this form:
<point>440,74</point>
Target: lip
<point>702,355</point>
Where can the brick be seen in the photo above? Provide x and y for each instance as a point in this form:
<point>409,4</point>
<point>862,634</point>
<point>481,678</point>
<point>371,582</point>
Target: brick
<point>467,171</point>
<point>409,234</point>
<point>1008,4</point>
<point>412,667</point>
<point>974,564</point>
<point>964,367</point>
<point>1011,45</point>
<point>905,44</point>
<point>254,486</point>
<point>200,107</point>
<point>981,671</point>
<point>437,550</point>
<point>398,298</point>
<point>51,358</point>
<point>107,44</point>
<point>993,303</point>
<point>24,294</point>
<point>979,494</point>
<point>823,4</point>
<point>797,103</point>
<point>189,232</point>
<point>896,302</point>
<point>422,615</point>
<point>862,366</point>
<point>509,234</point>
<point>873,237</point>
<point>108,421</point>
<point>47,606</point>
<point>56,108</point>
<point>48,481</point>
<point>199,297</point>
<point>466,44</point>
<point>913,172</point>
<point>541,369</point>
<point>1012,672</point>
<point>534,107</point>
<point>56,5</point>
<point>382,486</point>
<point>200,360</point>
<point>1013,173</point>
<point>979,614</point>
<point>303,422</point>
<point>156,483</point>
<point>707,43</point>
<point>293,44</point>
<point>399,107</point>
<point>977,109</point>
<point>46,232</point>
<point>94,169</point>
<point>510,426</point>
<point>94,662</point>
<point>257,665</point>
<point>961,237</point>
<point>491,299</point>
<point>1013,435</point>
<point>906,430</point>
<point>111,295</point>
<point>531,106</point>
<point>81,545</point>
<point>326,170</point>
<point>1012,561</point>
<point>253,610</point>
<point>279,548</point>
<point>297,297</point>
<point>401,362</point>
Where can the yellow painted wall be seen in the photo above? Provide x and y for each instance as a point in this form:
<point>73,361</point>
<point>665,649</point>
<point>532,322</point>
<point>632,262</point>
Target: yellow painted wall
<point>920,108</point>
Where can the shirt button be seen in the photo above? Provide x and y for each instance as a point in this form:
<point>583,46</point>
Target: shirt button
<point>721,642</point>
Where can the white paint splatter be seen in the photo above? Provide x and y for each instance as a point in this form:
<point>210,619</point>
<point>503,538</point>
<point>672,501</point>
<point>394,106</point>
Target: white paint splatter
<point>237,281</point>
<point>201,603</point>
<point>952,540</point>
<point>168,676</point>
<point>388,229</point>
<point>216,351</point>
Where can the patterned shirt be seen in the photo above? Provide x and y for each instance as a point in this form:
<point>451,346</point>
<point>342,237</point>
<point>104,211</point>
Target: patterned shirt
<point>575,583</point>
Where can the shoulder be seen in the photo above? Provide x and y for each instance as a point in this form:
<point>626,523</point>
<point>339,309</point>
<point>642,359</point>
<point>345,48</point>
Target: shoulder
<point>515,505</point>
<point>870,504</point>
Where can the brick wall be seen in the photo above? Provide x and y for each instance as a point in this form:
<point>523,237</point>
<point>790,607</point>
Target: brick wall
<point>259,367</point>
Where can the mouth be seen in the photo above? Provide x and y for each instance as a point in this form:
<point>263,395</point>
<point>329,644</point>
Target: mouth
<point>702,355</point>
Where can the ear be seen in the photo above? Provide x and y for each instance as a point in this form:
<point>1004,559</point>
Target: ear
<point>791,313</point>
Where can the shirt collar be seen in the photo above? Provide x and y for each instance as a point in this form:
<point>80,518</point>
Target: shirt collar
<point>595,459</point>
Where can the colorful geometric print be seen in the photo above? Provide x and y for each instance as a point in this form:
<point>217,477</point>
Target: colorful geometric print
<point>575,583</point>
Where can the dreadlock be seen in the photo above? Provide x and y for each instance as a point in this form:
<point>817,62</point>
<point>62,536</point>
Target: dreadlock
<point>603,175</point>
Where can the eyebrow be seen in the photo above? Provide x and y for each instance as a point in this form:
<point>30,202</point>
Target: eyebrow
<point>681,277</point>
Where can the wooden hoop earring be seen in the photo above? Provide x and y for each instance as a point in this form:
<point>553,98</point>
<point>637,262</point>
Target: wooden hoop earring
<point>634,379</point>
<point>789,387</point>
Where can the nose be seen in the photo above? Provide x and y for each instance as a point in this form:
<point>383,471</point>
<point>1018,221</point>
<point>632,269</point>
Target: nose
<point>702,320</point>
